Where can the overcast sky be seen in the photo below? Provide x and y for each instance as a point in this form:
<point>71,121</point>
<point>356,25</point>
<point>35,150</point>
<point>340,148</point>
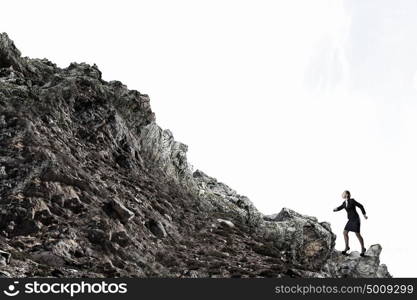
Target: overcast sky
<point>288,102</point>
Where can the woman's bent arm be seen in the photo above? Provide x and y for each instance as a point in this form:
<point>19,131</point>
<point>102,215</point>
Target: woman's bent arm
<point>361,207</point>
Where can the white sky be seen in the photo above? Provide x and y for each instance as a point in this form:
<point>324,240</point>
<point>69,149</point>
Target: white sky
<point>288,102</point>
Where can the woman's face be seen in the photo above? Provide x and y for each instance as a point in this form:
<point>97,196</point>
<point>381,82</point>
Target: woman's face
<point>344,195</point>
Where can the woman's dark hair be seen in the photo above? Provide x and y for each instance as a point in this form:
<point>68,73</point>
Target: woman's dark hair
<point>348,193</point>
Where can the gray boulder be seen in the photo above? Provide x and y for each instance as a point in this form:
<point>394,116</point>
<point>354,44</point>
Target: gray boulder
<point>305,241</point>
<point>353,265</point>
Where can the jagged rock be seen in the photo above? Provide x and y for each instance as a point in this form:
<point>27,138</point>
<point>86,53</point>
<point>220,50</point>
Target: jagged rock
<point>305,241</point>
<point>288,214</point>
<point>226,223</point>
<point>9,54</point>
<point>97,236</point>
<point>157,228</point>
<point>3,173</point>
<point>121,238</point>
<point>48,258</point>
<point>353,265</point>
<point>122,212</point>
<point>5,257</point>
<point>66,249</point>
<point>91,186</point>
<point>159,146</point>
<point>74,204</point>
<point>4,274</point>
<point>219,195</point>
<point>382,272</point>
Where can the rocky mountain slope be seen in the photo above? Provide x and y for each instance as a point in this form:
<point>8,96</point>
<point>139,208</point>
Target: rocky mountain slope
<point>91,186</point>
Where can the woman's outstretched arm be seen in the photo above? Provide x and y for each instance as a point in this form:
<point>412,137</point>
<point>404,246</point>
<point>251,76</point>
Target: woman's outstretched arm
<point>340,207</point>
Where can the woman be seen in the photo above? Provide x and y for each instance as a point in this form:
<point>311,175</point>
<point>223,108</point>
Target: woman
<point>354,222</point>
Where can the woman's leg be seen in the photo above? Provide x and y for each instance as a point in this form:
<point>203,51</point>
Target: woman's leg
<point>346,236</point>
<point>360,238</point>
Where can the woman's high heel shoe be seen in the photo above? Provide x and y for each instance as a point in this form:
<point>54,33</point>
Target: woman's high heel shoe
<point>344,252</point>
<point>363,252</point>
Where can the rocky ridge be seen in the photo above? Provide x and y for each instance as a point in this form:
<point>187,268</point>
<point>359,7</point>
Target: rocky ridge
<point>91,186</point>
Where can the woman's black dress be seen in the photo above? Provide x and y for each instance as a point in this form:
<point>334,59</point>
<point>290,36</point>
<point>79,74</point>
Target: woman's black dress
<point>354,222</point>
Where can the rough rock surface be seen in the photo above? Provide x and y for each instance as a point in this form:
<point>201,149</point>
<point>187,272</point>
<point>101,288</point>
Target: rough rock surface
<point>91,186</point>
